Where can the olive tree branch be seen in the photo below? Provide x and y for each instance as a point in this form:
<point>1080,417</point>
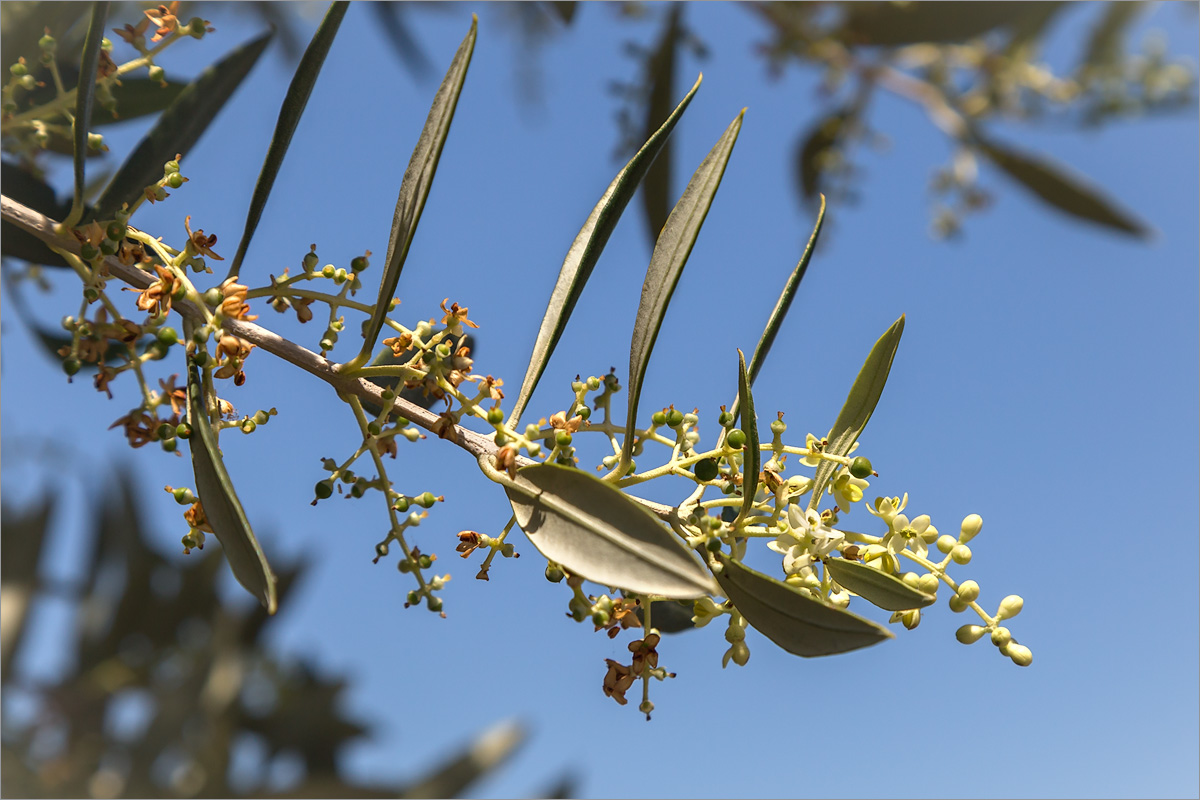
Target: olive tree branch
<point>476,444</point>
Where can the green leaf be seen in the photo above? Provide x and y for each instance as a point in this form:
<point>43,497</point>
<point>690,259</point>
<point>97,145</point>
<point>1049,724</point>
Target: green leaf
<point>180,126</point>
<point>415,186</point>
<point>294,103</point>
<point>140,97</point>
<point>595,531</point>
<point>884,590</point>
<point>23,23</point>
<point>221,505</point>
<point>666,265</point>
<point>1106,44</point>
<point>785,301</point>
<point>85,99</point>
<point>1057,186</point>
<point>885,23</point>
<point>796,622</point>
<point>860,404</point>
<point>656,190</point>
<point>753,458</point>
<point>585,252</point>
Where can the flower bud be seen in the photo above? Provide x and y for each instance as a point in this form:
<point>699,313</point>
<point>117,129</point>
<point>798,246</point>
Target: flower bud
<point>1021,655</point>
<point>1001,637</point>
<point>928,583</point>
<point>911,618</point>
<point>968,591</point>
<point>970,528</point>
<point>961,554</point>
<point>970,634</point>
<point>735,633</point>
<point>946,543</point>
<point>958,605</point>
<point>1010,606</point>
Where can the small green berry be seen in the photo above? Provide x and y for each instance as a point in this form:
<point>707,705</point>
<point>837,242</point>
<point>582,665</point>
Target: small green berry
<point>674,418</point>
<point>359,263</point>
<point>88,251</point>
<point>157,74</point>
<point>175,180</point>
<point>425,561</point>
<point>213,297</point>
<point>426,500</point>
<point>658,418</point>
<point>495,416</point>
<point>170,445</point>
<point>18,70</point>
<point>324,489</point>
<point>48,43</point>
<point>109,247</point>
<point>168,336</point>
<point>736,439</point>
<point>554,574</point>
<point>381,550</point>
<point>778,427</point>
<point>434,603</point>
<point>706,470</point>
<point>310,261</point>
<point>725,419</point>
<point>165,431</point>
<point>562,439</point>
<point>71,365</point>
<point>200,358</point>
<point>583,412</point>
<point>183,430</point>
<point>860,467</point>
<point>713,545</point>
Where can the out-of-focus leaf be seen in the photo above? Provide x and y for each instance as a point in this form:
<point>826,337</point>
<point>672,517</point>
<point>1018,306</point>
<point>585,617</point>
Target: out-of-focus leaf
<point>595,531</point>
<point>1057,186</point>
<point>415,395</point>
<point>28,190</point>
<point>585,252</point>
<point>405,45</point>
<point>564,11</point>
<point>495,746</point>
<point>23,24</point>
<point>670,616</point>
<point>221,504</point>
<point>666,265</point>
<point>859,406</point>
<point>785,301</point>
<point>799,624</point>
<point>180,126</point>
<point>1030,27</point>
<point>751,465</point>
<point>879,588</point>
<point>22,534</point>
<point>812,150</point>
<point>1106,43</point>
<point>656,189</point>
<point>139,97</point>
<point>418,177</point>
<point>294,103</point>
<point>85,96</point>
<point>886,23</point>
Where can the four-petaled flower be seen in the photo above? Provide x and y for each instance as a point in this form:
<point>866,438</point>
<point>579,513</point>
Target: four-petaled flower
<point>200,243</point>
<point>903,533</point>
<point>807,539</point>
<point>131,34</point>
<point>847,489</point>
<point>455,318</point>
<point>617,681</point>
<point>887,507</point>
<point>164,17</point>
<point>157,296</point>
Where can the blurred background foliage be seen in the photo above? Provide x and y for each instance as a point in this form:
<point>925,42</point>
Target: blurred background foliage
<point>171,690</point>
<point>169,680</point>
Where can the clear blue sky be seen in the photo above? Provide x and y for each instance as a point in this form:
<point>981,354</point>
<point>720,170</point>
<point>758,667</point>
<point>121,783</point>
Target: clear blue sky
<point>1047,380</point>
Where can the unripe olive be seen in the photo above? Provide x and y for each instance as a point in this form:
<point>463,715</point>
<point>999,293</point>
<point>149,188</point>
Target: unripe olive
<point>18,70</point>
<point>168,336</point>
<point>426,500</point>
<point>658,418</point>
<point>562,439</point>
<point>174,180</point>
<point>323,489</point>
<point>183,430</point>
<point>706,470</point>
<point>713,545</point>
<point>310,261</point>
<point>359,263</point>
<point>71,365</point>
<point>736,439</point>
<point>88,251</point>
<point>860,467</point>
<point>674,418</point>
<point>778,427</point>
<point>381,550</point>
<point>725,419</point>
<point>109,246</point>
<point>213,297</point>
<point>425,560</point>
<point>554,574</point>
<point>116,230</point>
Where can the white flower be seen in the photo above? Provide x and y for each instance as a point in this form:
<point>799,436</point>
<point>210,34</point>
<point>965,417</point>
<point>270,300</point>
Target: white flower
<point>908,534</point>
<point>887,507</point>
<point>806,540</point>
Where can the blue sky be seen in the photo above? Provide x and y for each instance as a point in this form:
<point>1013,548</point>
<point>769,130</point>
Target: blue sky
<point>1047,380</point>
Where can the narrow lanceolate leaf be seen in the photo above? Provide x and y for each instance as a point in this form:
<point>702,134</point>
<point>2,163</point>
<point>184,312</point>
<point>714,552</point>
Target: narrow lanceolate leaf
<point>752,459</point>
<point>660,78</point>
<point>85,97</point>
<point>294,103</point>
<point>860,405</point>
<point>221,505</point>
<point>784,302</point>
<point>907,23</point>
<point>666,265</point>
<point>1057,186</point>
<point>585,252</point>
<point>414,188</point>
<point>796,622</point>
<point>883,590</point>
<point>595,531</point>
<point>180,126</point>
